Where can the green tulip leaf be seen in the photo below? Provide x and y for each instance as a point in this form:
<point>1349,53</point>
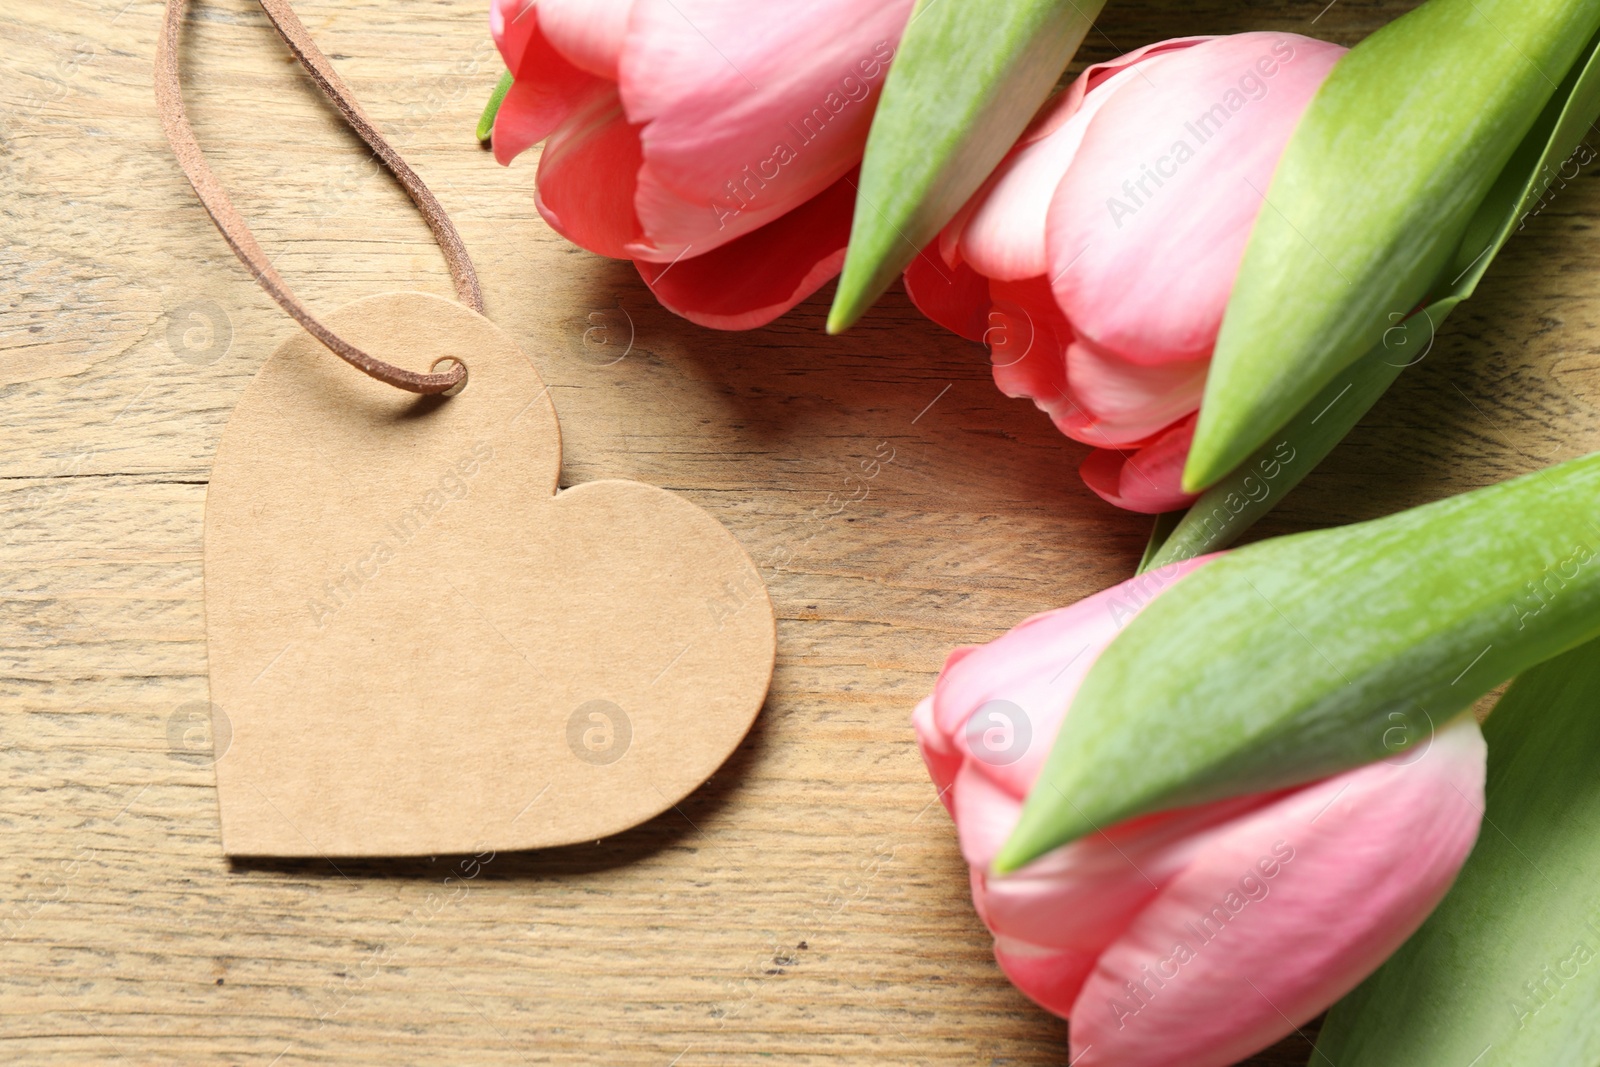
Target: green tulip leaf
<point>1226,510</point>
<point>1166,525</point>
<point>1551,154</point>
<point>1506,973</point>
<point>966,81</point>
<point>1372,198</point>
<point>1300,657</point>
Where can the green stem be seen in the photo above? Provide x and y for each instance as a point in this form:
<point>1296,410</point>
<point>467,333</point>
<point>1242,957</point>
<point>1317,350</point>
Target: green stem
<point>492,108</point>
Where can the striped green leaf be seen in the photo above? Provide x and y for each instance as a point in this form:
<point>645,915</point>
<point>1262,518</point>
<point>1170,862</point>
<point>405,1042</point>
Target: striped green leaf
<point>1507,972</point>
<point>1293,659</point>
<point>967,79</point>
<point>1371,201</point>
<point>1549,157</point>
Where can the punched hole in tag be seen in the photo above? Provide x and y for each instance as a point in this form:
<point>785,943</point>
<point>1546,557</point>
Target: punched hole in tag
<point>459,387</point>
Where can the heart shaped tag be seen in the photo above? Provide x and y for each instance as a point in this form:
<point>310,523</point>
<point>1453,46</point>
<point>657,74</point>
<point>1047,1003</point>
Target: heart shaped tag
<point>421,647</point>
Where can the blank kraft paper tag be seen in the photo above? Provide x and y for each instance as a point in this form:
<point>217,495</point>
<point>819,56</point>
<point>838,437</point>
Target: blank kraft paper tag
<point>420,647</point>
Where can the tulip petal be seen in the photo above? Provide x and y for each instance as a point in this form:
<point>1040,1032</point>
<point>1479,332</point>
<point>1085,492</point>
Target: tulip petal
<point>1148,479</point>
<point>985,814</point>
<point>1028,339</point>
<point>1004,237</point>
<point>589,33</point>
<point>676,224</point>
<point>750,282</point>
<point>514,25</point>
<point>956,297</point>
<point>1051,979</point>
<point>1147,229</point>
<point>1030,675</point>
<point>1081,897</point>
<point>547,90</point>
<point>586,179</point>
<point>1229,957</point>
<point>1027,675</point>
<point>943,760</point>
<point>1093,77</point>
<point>1122,402</point>
<point>736,133</point>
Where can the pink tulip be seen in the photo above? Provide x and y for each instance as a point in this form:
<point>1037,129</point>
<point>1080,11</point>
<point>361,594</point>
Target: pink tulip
<point>1097,260</point>
<point>1196,936</point>
<point>709,141</point>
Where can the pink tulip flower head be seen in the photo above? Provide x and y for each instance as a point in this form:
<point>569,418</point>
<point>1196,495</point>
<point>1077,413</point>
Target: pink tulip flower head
<point>711,142</point>
<point>1097,261</point>
<point>1201,935</point>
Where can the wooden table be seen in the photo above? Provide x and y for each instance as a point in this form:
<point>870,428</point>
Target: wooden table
<point>808,905</point>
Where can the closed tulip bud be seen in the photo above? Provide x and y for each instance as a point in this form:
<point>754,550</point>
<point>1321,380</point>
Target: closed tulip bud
<point>1378,201</point>
<point>1200,935</point>
<point>711,143</point>
<point>1098,260</point>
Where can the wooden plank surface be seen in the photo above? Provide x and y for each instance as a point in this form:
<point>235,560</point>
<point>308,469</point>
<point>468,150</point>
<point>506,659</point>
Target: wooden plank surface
<point>808,905</point>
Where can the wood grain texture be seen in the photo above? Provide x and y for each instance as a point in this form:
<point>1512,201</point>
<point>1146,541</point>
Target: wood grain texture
<point>808,905</point>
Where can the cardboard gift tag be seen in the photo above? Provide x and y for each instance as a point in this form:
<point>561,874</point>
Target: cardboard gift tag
<point>419,646</point>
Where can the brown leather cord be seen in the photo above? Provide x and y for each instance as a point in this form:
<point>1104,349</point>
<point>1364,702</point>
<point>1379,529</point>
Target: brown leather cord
<point>169,101</point>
